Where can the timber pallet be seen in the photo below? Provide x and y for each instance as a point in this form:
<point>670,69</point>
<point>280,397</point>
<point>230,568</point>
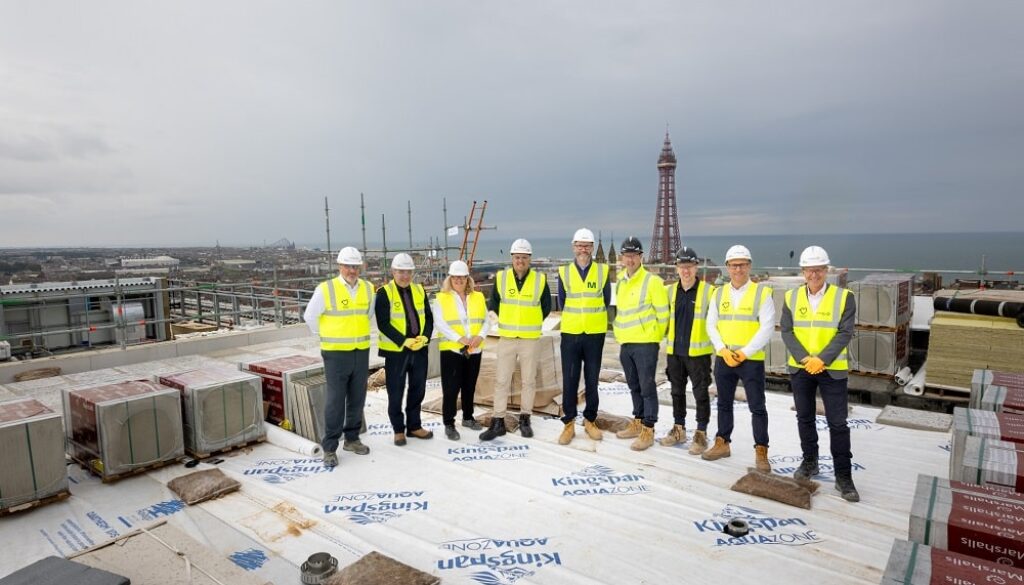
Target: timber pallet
<point>136,471</point>
<point>63,495</point>
<point>227,449</point>
<point>874,374</point>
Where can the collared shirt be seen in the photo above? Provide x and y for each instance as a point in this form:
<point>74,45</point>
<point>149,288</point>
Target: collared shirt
<point>815,298</point>
<point>765,318</point>
<point>318,304</point>
<point>446,330</point>
<point>686,301</point>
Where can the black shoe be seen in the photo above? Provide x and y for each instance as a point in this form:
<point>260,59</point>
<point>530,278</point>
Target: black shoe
<point>471,424</point>
<point>451,433</point>
<point>496,429</point>
<point>808,469</point>
<point>845,487</point>
<point>524,426</point>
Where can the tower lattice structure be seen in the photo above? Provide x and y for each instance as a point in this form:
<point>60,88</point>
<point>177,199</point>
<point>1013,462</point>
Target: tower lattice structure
<point>665,240</point>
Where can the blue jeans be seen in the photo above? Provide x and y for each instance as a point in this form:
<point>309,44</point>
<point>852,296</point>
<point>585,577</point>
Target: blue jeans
<point>726,378</point>
<point>578,350</point>
<point>398,366</point>
<point>346,373</point>
<point>639,363</point>
<point>834,397</point>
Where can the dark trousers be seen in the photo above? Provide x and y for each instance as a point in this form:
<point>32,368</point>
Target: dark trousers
<point>698,370</point>
<point>458,382</point>
<point>833,395</point>
<point>346,373</point>
<point>639,363</point>
<point>581,354</point>
<point>399,366</point>
<point>726,378</point>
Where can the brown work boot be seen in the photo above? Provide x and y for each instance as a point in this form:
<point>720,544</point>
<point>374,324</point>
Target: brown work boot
<point>632,431</point>
<point>400,439</point>
<point>422,433</point>
<point>645,440</point>
<point>699,443</point>
<point>761,458</point>
<point>592,431</point>
<point>676,435</point>
<point>567,433</point>
<point>717,451</point>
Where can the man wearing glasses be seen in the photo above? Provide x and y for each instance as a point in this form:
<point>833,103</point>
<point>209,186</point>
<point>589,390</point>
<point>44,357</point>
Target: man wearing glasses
<point>740,323</point>
<point>817,322</point>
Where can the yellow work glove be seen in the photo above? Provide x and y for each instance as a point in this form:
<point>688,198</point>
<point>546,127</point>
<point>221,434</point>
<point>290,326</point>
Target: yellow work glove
<point>726,354</point>
<point>813,365</point>
<point>739,356</point>
<point>410,343</point>
<point>423,339</point>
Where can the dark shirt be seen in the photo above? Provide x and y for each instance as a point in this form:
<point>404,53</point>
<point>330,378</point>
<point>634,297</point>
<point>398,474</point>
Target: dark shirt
<point>382,309</point>
<point>607,291</point>
<point>686,303</point>
<point>494,303</point>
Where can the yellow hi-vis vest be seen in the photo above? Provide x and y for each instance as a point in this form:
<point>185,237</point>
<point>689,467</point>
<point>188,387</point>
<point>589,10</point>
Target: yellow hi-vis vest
<point>641,313</point>
<point>700,343</point>
<point>419,298</point>
<point>519,314</point>
<point>815,329</point>
<point>738,324</point>
<point>345,322</point>
<point>476,312</point>
<point>584,310</point>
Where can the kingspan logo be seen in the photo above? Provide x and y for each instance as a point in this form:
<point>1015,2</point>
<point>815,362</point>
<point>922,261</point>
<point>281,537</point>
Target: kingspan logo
<point>505,560</point>
<point>285,470</point>
<point>863,424</point>
<point>787,464</point>
<point>376,507</point>
<point>386,430</point>
<point>489,451</point>
<point>613,389</point>
<point>764,529</point>
<point>599,480</point>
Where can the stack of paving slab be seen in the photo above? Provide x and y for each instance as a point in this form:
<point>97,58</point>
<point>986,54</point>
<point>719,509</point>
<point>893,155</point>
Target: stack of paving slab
<point>31,454</point>
<point>277,373</point>
<point>885,308</point>
<point>983,424</point>
<point>998,391</point>
<point>990,462</point>
<point>308,397</point>
<point>912,563</point>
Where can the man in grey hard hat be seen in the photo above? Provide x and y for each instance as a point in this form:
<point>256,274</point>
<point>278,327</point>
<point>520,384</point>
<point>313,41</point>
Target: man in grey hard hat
<point>818,321</point>
<point>339,314</point>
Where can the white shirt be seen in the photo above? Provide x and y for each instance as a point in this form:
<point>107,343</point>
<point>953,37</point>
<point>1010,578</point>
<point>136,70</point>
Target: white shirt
<point>815,298</point>
<point>765,318</point>
<point>441,325</point>
<point>318,304</point>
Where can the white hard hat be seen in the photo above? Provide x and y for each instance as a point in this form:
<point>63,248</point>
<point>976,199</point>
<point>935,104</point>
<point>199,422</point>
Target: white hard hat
<point>349,256</point>
<point>583,235</point>
<point>814,256</point>
<point>737,252</point>
<point>458,268</point>
<point>402,261</point>
<point>521,246</point>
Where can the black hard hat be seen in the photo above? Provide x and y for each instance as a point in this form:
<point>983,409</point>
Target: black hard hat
<point>631,245</point>
<point>686,254</point>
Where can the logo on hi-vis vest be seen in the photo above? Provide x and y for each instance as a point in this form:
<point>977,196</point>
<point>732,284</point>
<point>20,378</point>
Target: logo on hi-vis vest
<point>505,561</point>
<point>592,285</point>
<point>511,292</point>
<point>598,480</point>
<point>397,305</point>
<point>787,464</point>
<point>344,302</point>
<point>764,529</point>
<point>726,305</point>
<point>803,311</point>
<point>489,451</point>
<point>376,507</point>
<point>285,470</point>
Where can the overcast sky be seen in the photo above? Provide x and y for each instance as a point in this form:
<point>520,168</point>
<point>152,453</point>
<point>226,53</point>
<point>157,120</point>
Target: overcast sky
<point>181,123</point>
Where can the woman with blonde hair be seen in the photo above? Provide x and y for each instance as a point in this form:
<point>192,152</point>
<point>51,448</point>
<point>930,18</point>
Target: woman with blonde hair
<point>460,315</point>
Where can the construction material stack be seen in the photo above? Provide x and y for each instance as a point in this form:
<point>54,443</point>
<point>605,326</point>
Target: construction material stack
<point>309,399</point>
<point>31,455</point>
<point>885,306</point>
<point>277,374</point>
<point>998,391</point>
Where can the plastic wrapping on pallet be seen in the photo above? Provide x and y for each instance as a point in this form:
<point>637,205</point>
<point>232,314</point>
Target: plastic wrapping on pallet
<point>308,397</point>
<point>221,407</point>
<point>990,462</point>
<point>31,453</point>
<point>277,373</point>
<point>998,391</point>
<point>776,355</point>
<point>912,563</point>
<point>117,428</point>
<point>984,424</point>
<point>884,300</point>
<point>876,351</point>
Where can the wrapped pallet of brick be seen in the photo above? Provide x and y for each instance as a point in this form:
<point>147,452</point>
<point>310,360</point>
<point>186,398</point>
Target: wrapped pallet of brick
<point>884,300</point>
<point>998,391</point>
<point>116,429</point>
<point>984,424</point>
<point>911,563</point>
<point>221,408</point>
<point>31,454</point>
<point>775,355</point>
<point>877,351</point>
<point>277,373</point>
<point>991,463</point>
<point>982,522</point>
<point>309,399</point>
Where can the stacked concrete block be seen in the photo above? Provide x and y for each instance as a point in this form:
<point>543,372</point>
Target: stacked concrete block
<point>998,391</point>
<point>309,399</point>
<point>276,374</point>
<point>880,351</point>
<point>983,424</point>
<point>990,462</point>
<point>884,300</point>
<point>911,563</point>
<point>31,453</point>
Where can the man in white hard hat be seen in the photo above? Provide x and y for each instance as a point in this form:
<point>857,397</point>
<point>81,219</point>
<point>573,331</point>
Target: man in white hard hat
<point>740,322</point>
<point>818,322</point>
<point>522,300</point>
<point>584,292</point>
<point>339,314</point>
<point>404,326</point>
<point>641,318</point>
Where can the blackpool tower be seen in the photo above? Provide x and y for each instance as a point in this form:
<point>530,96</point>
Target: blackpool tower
<point>665,240</point>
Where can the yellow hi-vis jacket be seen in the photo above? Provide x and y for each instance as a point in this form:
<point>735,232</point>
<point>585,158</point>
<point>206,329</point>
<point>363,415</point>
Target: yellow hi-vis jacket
<point>345,322</point>
<point>584,310</point>
<point>641,314</point>
<point>738,324</point>
<point>397,308</point>
<point>476,312</point>
<point>519,314</point>
<point>815,329</point>
<point>700,343</point>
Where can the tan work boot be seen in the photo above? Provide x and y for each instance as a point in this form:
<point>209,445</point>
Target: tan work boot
<point>632,431</point>
<point>717,451</point>
<point>592,431</point>
<point>676,435</point>
<point>567,433</point>
<point>761,458</point>
<point>699,444</point>
<point>645,440</point>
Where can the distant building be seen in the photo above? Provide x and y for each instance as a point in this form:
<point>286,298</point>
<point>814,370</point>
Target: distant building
<point>156,262</point>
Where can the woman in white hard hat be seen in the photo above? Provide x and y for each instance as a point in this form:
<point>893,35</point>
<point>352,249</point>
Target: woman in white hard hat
<point>460,313</point>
